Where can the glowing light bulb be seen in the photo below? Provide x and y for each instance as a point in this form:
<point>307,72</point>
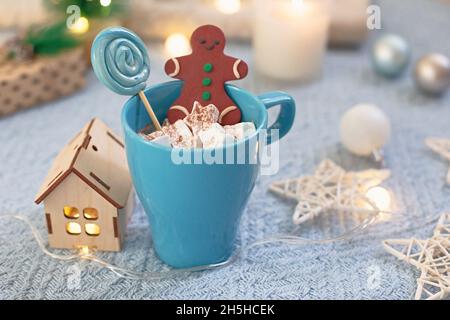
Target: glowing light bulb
<point>380,197</point>
<point>81,26</point>
<point>84,250</point>
<point>228,6</point>
<point>177,44</point>
<point>105,3</point>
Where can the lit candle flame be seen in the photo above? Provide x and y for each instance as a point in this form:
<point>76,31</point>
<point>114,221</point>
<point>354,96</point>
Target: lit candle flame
<point>228,6</point>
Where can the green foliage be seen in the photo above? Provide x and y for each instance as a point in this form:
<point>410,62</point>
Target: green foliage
<point>50,40</point>
<point>55,38</point>
<point>89,8</point>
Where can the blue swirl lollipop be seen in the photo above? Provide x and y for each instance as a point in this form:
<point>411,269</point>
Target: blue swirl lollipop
<point>121,63</point>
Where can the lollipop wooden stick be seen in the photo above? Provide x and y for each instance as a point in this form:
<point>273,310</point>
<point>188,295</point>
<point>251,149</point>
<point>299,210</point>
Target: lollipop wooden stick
<point>120,61</point>
<point>149,110</point>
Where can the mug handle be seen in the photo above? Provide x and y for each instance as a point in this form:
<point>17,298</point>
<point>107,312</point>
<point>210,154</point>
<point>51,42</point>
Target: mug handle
<point>285,118</point>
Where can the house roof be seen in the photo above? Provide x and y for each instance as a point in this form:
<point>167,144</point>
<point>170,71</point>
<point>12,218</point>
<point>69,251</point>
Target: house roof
<point>97,156</point>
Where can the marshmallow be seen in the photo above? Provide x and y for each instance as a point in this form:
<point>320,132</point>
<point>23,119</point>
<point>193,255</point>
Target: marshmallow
<point>182,129</point>
<point>165,123</point>
<point>157,137</point>
<point>199,129</point>
<point>154,135</point>
<point>196,142</point>
<point>229,139</point>
<point>202,117</point>
<point>163,140</point>
<point>215,137</point>
<point>179,134</point>
<point>241,130</point>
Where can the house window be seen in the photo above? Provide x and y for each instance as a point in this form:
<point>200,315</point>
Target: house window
<point>73,228</point>
<point>90,213</point>
<point>71,212</point>
<point>92,229</point>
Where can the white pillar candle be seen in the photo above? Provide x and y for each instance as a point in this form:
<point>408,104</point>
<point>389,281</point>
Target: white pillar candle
<point>290,38</point>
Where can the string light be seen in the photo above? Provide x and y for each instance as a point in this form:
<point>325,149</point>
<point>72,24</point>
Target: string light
<point>85,252</point>
<point>228,6</point>
<point>177,44</point>
<point>380,197</point>
<point>81,26</point>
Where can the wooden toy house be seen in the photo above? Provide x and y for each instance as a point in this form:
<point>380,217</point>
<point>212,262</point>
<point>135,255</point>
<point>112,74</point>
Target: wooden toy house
<point>88,194</point>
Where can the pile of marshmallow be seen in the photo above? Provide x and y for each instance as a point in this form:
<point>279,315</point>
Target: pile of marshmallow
<point>200,129</point>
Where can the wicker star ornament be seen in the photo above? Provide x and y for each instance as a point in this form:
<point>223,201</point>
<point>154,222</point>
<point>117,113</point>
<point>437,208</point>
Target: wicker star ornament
<point>330,188</point>
<point>430,256</point>
<point>441,147</point>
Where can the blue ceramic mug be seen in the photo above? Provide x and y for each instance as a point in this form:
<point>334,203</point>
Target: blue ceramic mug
<point>195,209</point>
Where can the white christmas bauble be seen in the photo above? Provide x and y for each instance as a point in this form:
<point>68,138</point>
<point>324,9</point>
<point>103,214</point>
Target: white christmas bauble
<point>364,129</point>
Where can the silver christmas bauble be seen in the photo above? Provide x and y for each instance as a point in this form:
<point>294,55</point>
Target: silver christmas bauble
<point>432,73</point>
<point>390,55</point>
<point>364,129</point>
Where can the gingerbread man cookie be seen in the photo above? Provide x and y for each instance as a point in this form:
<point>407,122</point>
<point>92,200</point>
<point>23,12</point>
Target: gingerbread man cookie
<point>204,73</point>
